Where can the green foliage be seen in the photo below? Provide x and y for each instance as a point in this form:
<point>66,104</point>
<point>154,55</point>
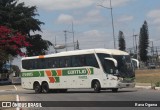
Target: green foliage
<point>157,84</point>
<point>16,69</point>
<point>22,18</point>
<point>18,16</point>
<point>3,57</point>
<point>143,42</point>
<point>122,43</point>
<point>37,43</point>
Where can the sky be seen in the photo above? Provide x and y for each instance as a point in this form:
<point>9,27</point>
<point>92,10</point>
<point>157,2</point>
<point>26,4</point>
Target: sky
<point>92,23</point>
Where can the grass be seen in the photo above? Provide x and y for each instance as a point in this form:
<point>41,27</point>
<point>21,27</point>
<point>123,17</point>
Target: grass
<point>151,76</point>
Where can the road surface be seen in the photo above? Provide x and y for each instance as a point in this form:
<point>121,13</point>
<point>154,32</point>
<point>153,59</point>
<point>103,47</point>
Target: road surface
<point>88,95</point>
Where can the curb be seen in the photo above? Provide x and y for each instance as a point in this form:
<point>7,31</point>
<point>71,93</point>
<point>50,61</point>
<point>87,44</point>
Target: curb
<point>8,90</point>
<point>147,87</point>
<point>157,88</point>
<point>143,87</point>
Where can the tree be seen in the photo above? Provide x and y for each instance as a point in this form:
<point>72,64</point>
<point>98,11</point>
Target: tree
<point>144,42</point>
<point>122,43</point>
<point>37,42</point>
<point>21,18</point>
<point>77,45</point>
<point>11,43</point>
<point>16,69</point>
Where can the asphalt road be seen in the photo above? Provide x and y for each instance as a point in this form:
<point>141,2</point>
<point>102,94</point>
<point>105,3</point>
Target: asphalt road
<point>88,95</point>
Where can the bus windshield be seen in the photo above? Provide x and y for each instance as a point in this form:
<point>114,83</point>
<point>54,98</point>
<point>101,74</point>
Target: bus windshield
<point>125,67</point>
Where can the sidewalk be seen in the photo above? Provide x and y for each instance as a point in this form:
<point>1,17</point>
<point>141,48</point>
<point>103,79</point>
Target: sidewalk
<point>7,87</point>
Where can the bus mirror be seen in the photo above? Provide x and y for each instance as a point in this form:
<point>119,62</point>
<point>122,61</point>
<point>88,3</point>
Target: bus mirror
<point>113,60</point>
<point>135,62</point>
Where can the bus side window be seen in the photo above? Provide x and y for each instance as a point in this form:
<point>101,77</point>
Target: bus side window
<point>49,63</point>
<point>33,64</point>
<point>56,63</point>
<point>91,60</point>
<point>82,60</point>
<point>42,63</point>
<point>68,62</point>
<point>75,61</point>
<point>25,64</point>
<point>62,62</point>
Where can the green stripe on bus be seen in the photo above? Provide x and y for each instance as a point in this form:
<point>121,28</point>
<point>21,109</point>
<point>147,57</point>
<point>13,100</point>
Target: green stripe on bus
<point>91,69</point>
<point>57,79</point>
<point>65,72</point>
<point>54,73</point>
<point>33,74</point>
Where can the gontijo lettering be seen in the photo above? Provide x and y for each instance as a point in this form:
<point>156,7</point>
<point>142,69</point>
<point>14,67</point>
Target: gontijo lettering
<point>77,72</point>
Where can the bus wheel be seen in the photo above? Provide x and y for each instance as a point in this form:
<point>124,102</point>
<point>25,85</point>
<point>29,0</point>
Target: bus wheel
<point>115,90</point>
<point>37,88</point>
<point>45,87</point>
<point>96,87</point>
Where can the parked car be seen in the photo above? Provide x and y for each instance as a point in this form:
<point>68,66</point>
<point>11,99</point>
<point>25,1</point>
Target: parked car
<point>5,81</point>
<point>151,65</point>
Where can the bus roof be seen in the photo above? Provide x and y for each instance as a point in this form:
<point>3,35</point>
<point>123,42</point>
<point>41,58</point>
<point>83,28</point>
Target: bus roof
<point>79,52</point>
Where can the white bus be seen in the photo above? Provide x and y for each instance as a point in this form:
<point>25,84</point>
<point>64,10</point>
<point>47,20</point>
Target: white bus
<point>99,69</point>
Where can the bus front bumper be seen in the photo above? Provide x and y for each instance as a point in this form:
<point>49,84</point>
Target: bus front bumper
<point>125,85</point>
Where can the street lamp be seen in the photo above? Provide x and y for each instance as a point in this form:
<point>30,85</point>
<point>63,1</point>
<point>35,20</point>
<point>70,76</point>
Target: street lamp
<point>135,39</point>
<point>112,22</point>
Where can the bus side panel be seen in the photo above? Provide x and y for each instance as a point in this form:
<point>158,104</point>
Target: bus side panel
<point>69,82</point>
<point>27,82</point>
<point>77,81</point>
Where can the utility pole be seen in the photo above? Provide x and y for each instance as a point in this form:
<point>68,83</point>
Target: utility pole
<point>133,42</point>
<point>112,21</point>
<point>73,36</point>
<point>55,44</point>
<point>72,33</point>
<point>152,47</point>
<point>135,47</point>
<point>135,36</point>
<point>112,25</point>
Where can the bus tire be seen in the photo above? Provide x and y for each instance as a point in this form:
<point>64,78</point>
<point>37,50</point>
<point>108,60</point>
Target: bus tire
<point>37,88</point>
<point>45,87</point>
<point>97,87</point>
<point>114,89</point>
